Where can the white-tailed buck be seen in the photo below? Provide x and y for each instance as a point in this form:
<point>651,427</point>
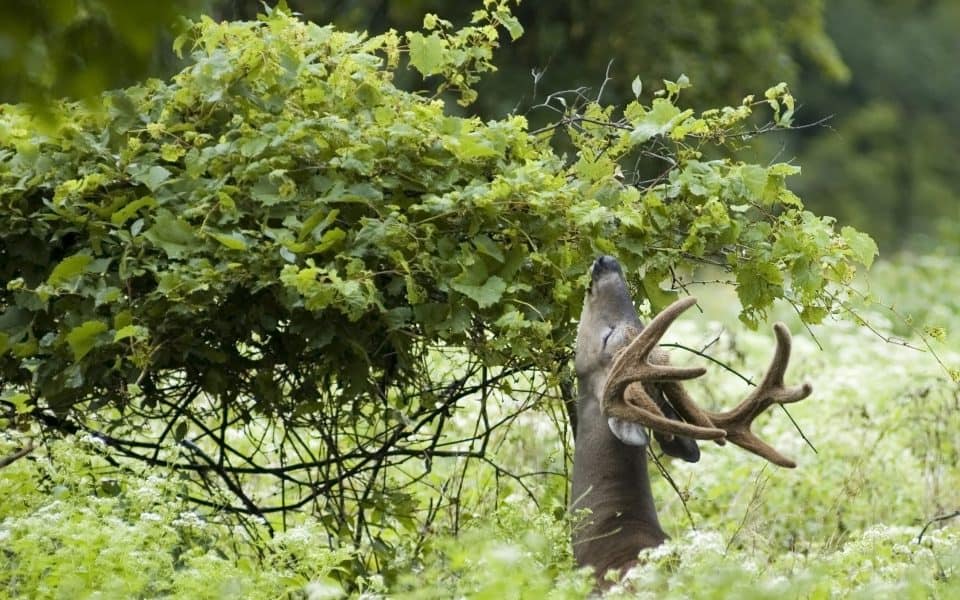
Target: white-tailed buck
<point>626,386</point>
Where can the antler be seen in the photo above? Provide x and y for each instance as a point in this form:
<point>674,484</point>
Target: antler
<point>632,403</point>
<point>736,422</point>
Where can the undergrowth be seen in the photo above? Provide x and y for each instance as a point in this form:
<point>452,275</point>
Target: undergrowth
<point>884,420</point>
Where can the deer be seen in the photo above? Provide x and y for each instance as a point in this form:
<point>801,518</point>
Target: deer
<point>626,386</point>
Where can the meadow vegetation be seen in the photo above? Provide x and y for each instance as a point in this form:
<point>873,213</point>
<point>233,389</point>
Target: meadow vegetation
<point>884,419</point>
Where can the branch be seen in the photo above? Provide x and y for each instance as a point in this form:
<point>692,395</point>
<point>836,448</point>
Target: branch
<point>12,458</point>
<point>923,531</point>
<point>673,484</point>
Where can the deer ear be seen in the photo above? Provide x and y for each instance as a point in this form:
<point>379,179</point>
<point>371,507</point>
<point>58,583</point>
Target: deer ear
<point>674,445</point>
<point>678,447</point>
<point>631,434</point>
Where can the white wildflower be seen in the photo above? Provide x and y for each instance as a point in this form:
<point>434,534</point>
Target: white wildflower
<point>506,553</point>
<point>324,590</point>
<point>150,517</point>
<point>189,519</point>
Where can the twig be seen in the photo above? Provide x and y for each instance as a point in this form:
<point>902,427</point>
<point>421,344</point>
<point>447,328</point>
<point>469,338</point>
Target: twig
<point>673,484</point>
<point>715,361</point>
<point>606,79</point>
<point>923,531</point>
<point>730,369</point>
<point>12,458</point>
<point>760,484</point>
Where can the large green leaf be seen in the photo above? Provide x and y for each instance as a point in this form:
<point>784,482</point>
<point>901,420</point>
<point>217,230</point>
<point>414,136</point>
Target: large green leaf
<point>862,246</point>
<point>172,234</point>
<point>427,52</point>
<point>83,338</point>
<point>68,269</point>
<point>484,295</point>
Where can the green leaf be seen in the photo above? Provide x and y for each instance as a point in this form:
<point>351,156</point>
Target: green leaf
<point>514,28</point>
<point>637,86</point>
<point>130,209</point>
<point>171,153</point>
<point>861,245</point>
<point>427,52</point>
<point>122,319</point>
<point>83,338</point>
<point>783,170</point>
<point>180,41</point>
<point>759,283</point>
<point>136,332</point>
<point>484,295</point>
<point>153,177</point>
<point>173,235</point>
<point>317,222</point>
<point>755,181</point>
<point>19,400</point>
<point>107,295</point>
<point>329,240</point>
<point>487,246</point>
<point>659,120</point>
<point>254,146</point>
<point>659,297</point>
<point>180,431</point>
<point>68,269</point>
<point>233,241</point>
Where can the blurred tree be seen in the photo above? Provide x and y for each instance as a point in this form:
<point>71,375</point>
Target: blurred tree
<point>80,47</point>
<point>888,163</point>
<point>727,48</point>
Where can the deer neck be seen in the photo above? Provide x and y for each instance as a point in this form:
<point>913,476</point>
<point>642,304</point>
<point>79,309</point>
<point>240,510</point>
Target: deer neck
<point>610,480</point>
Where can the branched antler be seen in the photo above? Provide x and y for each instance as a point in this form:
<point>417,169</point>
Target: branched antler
<point>632,403</point>
<point>636,364</point>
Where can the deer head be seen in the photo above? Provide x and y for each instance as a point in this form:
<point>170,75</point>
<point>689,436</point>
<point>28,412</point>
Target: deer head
<point>627,386</point>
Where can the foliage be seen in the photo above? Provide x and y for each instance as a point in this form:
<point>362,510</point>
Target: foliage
<point>68,48</point>
<point>845,523</point>
<point>880,72</point>
<point>279,266</point>
<point>919,298</point>
<point>68,530</point>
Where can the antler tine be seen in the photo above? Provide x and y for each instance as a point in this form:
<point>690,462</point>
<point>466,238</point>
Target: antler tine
<point>633,365</point>
<point>770,391</point>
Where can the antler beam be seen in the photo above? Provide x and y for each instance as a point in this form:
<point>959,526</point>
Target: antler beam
<point>633,365</point>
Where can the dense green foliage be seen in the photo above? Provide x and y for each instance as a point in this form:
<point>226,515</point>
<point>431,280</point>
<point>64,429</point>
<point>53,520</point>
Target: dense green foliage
<point>284,178</point>
<point>845,523</point>
<point>725,46</point>
<point>881,74</point>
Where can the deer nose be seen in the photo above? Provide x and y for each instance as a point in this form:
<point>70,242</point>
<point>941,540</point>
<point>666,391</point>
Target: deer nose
<point>605,264</point>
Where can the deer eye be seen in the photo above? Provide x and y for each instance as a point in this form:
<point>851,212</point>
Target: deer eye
<point>607,335</point>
